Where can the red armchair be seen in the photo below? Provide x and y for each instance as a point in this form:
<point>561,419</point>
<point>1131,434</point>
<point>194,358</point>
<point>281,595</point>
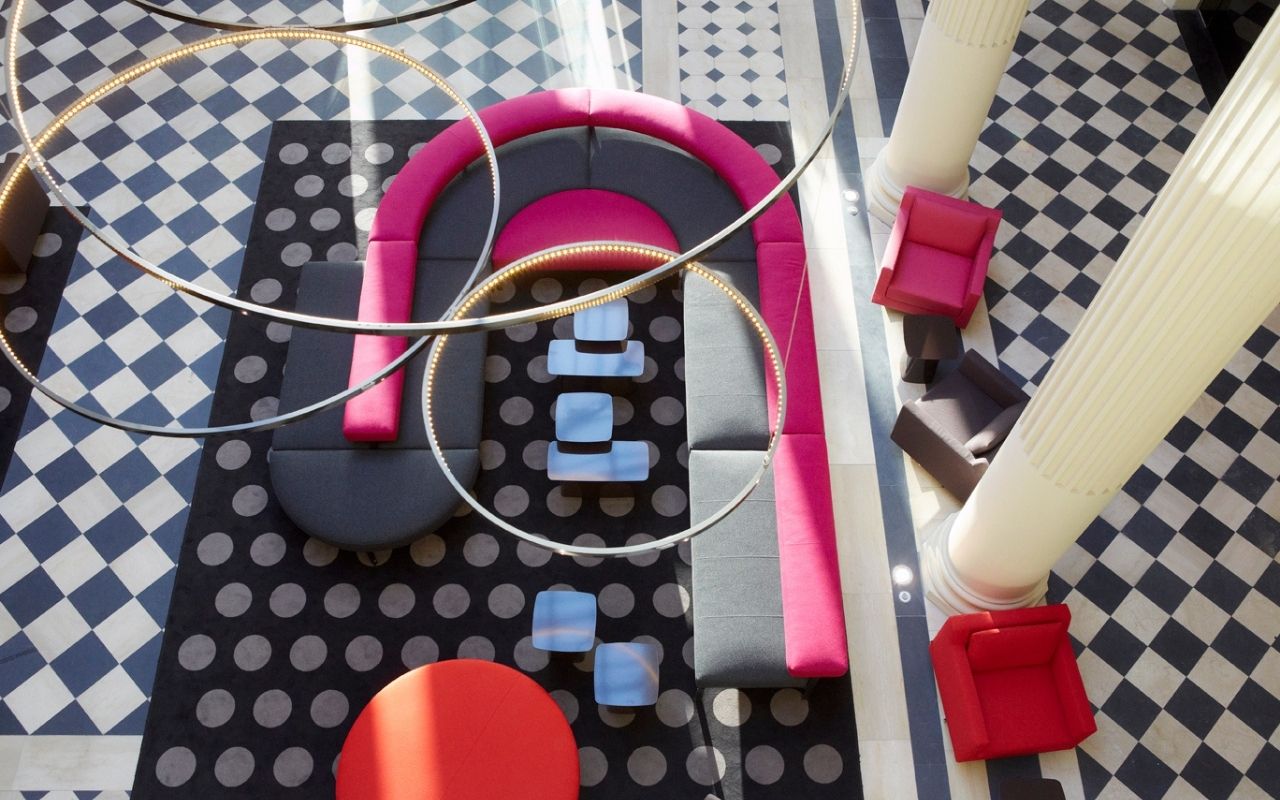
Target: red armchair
<point>937,257</point>
<point>1009,683</point>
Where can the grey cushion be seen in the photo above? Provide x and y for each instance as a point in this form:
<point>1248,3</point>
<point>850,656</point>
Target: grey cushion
<point>737,583</point>
<point>319,362</point>
<point>724,365</point>
<point>365,499</point>
<point>995,431</point>
<point>530,168</point>
<point>688,194</point>
<point>959,406</point>
<point>363,496</point>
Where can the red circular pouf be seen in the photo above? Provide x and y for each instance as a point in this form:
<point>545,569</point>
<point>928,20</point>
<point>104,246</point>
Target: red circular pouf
<point>461,730</point>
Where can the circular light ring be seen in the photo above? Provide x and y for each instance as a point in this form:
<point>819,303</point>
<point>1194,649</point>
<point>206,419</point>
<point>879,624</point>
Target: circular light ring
<point>38,164</point>
<point>336,27</point>
<point>443,325</point>
<point>33,159</point>
<point>544,260</point>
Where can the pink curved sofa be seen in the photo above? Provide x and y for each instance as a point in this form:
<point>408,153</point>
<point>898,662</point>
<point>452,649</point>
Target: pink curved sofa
<point>812,603</point>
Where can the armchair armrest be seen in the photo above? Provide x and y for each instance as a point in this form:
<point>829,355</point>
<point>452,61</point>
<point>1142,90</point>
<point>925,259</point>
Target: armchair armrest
<point>960,703</point>
<point>987,377</point>
<point>982,256</point>
<point>1076,710</point>
<point>899,233</point>
<point>896,237</point>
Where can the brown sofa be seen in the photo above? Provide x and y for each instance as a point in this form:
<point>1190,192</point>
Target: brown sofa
<point>956,428</point>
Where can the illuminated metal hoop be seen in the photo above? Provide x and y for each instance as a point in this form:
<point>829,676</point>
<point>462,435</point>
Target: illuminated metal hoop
<point>33,159</point>
<point>407,328</point>
<point>543,260</point>
<point>424,329</point>
<point>337,27</point>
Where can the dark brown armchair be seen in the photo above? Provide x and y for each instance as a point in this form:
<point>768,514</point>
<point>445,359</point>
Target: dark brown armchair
<point>955,429</point>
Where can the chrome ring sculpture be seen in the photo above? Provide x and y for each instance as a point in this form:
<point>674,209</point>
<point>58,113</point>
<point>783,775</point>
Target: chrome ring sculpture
<point>337,27</point>
<point>31,158</point>
<point>37,163</point>
<point>408,328</point>
<point>547,258</point>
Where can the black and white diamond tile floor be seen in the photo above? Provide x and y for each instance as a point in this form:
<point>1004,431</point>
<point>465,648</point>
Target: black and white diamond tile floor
<point>731,59</point>
<point>1175,590</point>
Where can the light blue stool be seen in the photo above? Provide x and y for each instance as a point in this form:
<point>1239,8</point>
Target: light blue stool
<point>623,462</point>
<point>584,417</point>
<point>564,622</point>
<point>603,323</point>
<point>627,674</point>
<point>564,358</point>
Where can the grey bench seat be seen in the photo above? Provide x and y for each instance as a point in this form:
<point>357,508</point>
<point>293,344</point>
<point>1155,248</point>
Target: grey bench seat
<point>737,583</point>
<point>374,496</point>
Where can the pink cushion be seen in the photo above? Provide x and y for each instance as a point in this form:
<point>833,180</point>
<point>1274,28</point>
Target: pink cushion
<point>1023,711</point>
<point>812,602</point>
<point>781,270</point>
<point>583,215</point>
<point>947,224</point>
<point>1015,646</point>
<point>929,277</point>
<point>386,295</point>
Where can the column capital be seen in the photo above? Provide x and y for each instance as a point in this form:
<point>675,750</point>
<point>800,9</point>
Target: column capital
<point>979,23</point>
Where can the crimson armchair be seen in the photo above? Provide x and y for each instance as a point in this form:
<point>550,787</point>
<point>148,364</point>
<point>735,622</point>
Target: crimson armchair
<point>1009,683</point>
<point>937,257</point>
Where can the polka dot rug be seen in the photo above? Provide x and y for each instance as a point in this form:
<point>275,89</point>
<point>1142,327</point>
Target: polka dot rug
<point>275,641</point>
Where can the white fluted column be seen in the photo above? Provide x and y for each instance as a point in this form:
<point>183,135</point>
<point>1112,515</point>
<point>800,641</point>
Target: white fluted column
<point>962,53</point>
<point>1202,272</point>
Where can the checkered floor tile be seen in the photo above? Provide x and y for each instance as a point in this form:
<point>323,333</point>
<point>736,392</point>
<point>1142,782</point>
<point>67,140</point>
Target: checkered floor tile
<point>731,58</point>
<point>1175,590</point>
<point>92,518</point>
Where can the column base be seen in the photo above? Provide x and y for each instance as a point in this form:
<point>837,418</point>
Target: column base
<point>884,193</point>
<point>948,591</point>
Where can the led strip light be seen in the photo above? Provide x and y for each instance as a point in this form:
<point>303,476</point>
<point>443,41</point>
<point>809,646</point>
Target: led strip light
<point>547,259</point>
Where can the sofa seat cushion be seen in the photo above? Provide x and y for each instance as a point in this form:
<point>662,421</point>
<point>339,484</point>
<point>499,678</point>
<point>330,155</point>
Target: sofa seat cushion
<point>367,499</point>
<point>583,215</point>
<point>531,168</point>
<point>1022,710</point>
<point>738,632</point>
<point>959,407</point>
<point>724,364</point>
<point>1015,646</point>
<point>930,277</point>
<point>317,364</point>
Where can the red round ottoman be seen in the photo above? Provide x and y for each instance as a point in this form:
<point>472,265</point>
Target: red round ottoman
<point>461,730</point>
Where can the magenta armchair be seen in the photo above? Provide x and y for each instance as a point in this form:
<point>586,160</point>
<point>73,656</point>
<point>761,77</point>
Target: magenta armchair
<point>936,260</point>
